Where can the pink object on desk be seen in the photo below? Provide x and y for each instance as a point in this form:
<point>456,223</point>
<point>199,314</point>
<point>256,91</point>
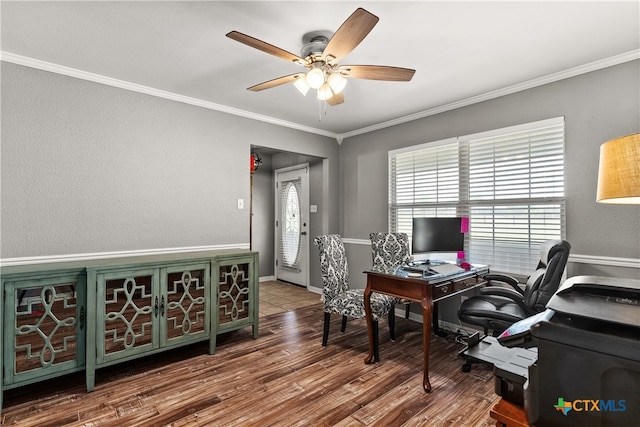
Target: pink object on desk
<point>465,265</point>
<point>464,224</point>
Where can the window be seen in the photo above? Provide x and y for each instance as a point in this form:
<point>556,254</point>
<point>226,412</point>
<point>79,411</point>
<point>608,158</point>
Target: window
<point>291,224</point>
<point>509,182</point>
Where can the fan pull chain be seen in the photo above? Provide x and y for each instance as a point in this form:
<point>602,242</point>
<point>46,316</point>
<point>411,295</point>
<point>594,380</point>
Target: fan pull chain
<point>321,104</point>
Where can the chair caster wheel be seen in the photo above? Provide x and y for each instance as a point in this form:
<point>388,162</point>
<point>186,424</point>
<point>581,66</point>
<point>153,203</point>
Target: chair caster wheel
<point>466,367</point>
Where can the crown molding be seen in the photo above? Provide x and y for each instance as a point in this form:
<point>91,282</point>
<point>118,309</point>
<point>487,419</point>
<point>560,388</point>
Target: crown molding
<point>97,78</point>
<point>571,72</point>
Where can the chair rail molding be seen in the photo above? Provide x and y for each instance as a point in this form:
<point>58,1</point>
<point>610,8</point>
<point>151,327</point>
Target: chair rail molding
<point>573,258</point>
<point>9,262</point>
<point>603,260</point>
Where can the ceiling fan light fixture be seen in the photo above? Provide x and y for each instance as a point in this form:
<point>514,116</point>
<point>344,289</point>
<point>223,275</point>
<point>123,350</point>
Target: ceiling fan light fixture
<point>324,92</point>
<point>315,77</point>
<point>336,82</point>
<point>302,85</point>
<point>320,55</point>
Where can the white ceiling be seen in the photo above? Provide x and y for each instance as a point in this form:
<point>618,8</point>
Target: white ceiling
<point>462,52</point>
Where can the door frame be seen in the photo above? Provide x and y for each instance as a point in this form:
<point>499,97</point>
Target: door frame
<point>306,273</point>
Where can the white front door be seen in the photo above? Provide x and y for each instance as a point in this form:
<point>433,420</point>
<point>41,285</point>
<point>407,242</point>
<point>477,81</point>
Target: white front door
<point>292,216</point>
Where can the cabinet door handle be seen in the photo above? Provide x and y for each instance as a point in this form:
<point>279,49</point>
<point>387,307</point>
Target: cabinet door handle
<point>81,317</point>
<point>162,306</point>
<point>155,307</point>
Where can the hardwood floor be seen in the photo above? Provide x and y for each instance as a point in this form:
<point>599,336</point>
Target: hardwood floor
<point>284,378</point>
<point>277,297</point>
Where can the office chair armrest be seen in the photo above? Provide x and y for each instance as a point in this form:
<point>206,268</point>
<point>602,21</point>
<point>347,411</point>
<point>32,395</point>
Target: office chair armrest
<point>509,280</point>
<point>508,293</point>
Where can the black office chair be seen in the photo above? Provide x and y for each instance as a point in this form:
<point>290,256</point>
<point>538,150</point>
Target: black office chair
<point>498,307</point>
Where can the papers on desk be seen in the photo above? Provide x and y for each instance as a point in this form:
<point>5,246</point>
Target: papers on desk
<point>446,269</point>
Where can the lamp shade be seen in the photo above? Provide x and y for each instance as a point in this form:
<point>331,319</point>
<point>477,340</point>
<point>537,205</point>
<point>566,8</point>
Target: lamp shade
<point>336,82</point>
<point>619,171</point>
<point>315,78</point>
<point>324,92</point>
<point>301,84</point>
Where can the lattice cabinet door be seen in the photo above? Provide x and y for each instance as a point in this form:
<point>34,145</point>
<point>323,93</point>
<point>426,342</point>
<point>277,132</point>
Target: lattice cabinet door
<point>128,305</point>
<point>185,303</point>
<point>44,327</point>
<point>237,296</point>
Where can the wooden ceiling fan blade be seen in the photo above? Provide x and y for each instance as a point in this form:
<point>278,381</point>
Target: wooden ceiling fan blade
<point>349,35</point>
<point>275,82</point>
<point>377,72</point>
<point>266,47</point>
<point>336,99</point>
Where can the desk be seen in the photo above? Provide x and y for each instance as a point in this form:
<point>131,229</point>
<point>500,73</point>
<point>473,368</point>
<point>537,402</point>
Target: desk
<point>508,414</point>
<point>396,282</point>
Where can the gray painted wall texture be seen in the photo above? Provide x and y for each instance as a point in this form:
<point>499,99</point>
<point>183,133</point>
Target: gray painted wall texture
<point>89,168</point>
<point>597,107</point>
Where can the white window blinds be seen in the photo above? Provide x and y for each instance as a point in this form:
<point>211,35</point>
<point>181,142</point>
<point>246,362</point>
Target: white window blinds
<point>509,182</point>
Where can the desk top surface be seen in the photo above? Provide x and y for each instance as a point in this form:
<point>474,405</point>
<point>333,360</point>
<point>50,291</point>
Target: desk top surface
<point>429,277</point>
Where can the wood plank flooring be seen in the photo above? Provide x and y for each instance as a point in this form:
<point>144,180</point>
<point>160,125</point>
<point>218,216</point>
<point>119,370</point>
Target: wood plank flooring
<point>284,378</point>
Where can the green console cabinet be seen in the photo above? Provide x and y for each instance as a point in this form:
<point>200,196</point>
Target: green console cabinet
<point>61,317</point>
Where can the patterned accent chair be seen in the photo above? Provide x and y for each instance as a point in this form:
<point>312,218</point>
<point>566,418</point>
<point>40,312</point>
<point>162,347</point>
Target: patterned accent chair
<point>338,298</point>
<point>390,250</point>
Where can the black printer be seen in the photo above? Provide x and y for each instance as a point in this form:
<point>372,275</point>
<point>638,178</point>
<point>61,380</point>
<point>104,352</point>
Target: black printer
<point>588,367</point>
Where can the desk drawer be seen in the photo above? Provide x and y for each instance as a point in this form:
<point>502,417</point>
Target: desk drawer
<point>445,289</point>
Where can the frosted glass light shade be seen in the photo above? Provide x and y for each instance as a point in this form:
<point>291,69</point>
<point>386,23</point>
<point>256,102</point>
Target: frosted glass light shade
<point>315,78</point>
<point>302,85</point>
<point>337,82</point>
<point>619,171</point>
<point>324,92</point>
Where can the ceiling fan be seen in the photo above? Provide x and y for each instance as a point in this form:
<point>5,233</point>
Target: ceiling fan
<point>321,53</point>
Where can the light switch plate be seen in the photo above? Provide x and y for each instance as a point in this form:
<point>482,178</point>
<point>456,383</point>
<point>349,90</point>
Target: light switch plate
<point>240,203</point>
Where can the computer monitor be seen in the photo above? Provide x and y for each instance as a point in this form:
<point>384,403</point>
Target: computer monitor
<point>437,235</point>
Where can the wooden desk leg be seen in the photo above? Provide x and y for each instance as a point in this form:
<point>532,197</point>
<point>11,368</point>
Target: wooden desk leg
<point>508,414</point>
<point>426,340</point>
<point>367,309</point>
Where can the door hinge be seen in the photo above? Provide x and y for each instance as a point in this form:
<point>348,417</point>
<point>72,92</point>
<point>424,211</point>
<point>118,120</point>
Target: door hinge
<point>276,262</point>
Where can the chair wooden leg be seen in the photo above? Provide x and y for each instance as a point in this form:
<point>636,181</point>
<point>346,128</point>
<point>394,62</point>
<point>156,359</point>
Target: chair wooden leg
<point>392,325</point>
<point>325,333</point>
<point>344,324</point>
<point>376,344</point>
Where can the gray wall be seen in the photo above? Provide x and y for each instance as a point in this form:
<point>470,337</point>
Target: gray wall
<point>597,107</point>
<point>89,168</point>
<point>263,214</point>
